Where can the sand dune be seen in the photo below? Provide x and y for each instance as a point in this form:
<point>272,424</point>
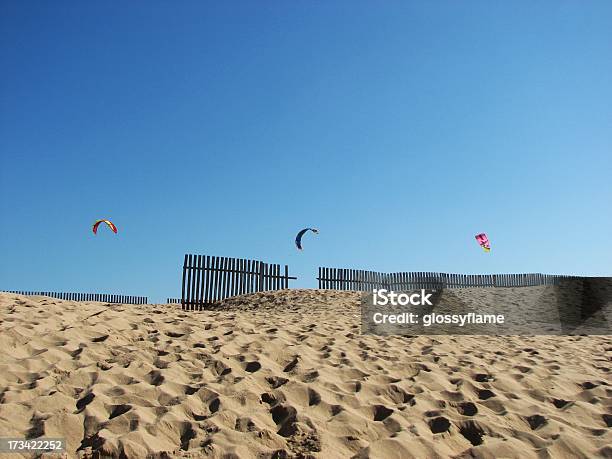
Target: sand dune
<point>288,374</point>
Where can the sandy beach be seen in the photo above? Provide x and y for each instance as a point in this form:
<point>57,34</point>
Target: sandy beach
<point>287,374</point>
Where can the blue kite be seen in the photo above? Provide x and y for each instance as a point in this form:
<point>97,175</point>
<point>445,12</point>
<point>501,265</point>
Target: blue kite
<point>298,238</point>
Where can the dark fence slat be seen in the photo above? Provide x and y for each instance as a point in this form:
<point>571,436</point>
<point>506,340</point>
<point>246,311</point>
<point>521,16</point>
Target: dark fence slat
<point>250,278</point>
<point>207,283</point>
<point>199,296</point>
<point>204,281</point>
<point>189,275</point>
<point>224,278</point>
<point>233,277</point>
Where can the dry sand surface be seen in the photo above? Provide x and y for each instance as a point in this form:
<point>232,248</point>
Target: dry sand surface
<point>288,374</point>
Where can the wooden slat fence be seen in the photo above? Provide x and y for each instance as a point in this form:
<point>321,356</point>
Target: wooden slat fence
<point>359,280</point>
<point>208,279</point>
<point>102,297</point>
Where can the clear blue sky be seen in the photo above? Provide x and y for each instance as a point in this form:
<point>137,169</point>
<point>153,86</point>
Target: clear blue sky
<point>399,129</point>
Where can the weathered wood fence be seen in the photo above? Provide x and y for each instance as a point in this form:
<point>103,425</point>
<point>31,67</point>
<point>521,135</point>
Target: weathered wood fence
<point>208,279</point>
<point>359,280</point>
<point>102,297</point>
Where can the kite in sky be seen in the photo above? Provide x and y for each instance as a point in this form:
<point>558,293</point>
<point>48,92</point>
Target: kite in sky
<point>298,238</point>
<point>483,241</point>
<point>108,222</point>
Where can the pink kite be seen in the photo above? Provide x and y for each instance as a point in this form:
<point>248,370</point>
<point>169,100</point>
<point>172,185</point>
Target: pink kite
<point>483,241</point>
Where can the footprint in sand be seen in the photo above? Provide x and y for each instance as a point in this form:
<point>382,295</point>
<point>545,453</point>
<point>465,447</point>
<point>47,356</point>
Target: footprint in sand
<point>485,394</point>
<point>83,402</point>
<point>381,412</point>
<point>311,376</point>
<point>118,410</point>
<point>155,378</point>
<point>276,381</point>
<point>314,398</point>
<point>439,425</point>
<point>467,409</point>
<point>245,425</point>
<point>285,417</point>
<point>190,390</point>
<point>100,339</point>
<point>560,403</point>
<point>472,432</point>
<point>536,421</point>
<point>252,367</point>
<point>483,377</point>
<point>291,365</point>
